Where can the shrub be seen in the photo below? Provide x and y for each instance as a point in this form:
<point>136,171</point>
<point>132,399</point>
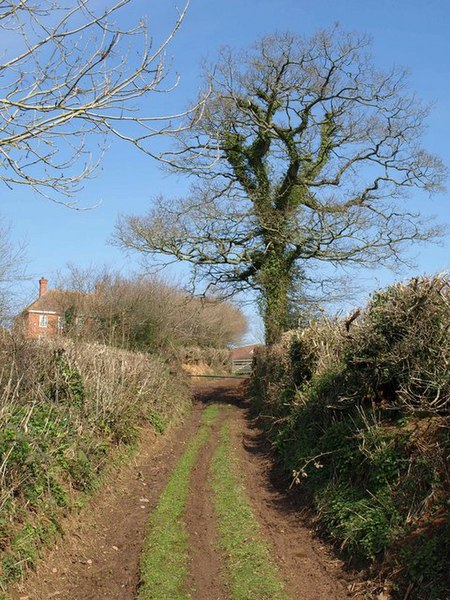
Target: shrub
<point>217,359</point>
<point>64,409</point>
<point>399,352</point>
<point>361,422</point>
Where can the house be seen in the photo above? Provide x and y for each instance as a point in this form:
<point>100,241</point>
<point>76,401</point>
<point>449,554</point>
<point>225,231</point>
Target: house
<point>242,359</point>
<point>52,312</point>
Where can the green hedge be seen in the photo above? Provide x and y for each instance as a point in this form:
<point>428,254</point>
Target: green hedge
<point>65,413</point>
<point>361,423</point>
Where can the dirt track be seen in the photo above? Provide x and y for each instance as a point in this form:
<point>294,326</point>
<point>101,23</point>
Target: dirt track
<point>99,556</point>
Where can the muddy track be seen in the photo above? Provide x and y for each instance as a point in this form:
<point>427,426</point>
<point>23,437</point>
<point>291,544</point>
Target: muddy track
<point>99,556</point>
<point>100,553</point>
<point>309,569</point>
<point>205,574</point>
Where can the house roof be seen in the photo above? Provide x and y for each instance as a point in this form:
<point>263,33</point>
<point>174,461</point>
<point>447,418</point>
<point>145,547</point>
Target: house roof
<point>57,301</point>
<point>244,352</point>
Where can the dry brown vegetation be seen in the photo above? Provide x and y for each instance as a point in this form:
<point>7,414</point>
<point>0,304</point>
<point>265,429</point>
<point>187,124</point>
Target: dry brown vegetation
<point>203,360</point>
<point>148,314</point>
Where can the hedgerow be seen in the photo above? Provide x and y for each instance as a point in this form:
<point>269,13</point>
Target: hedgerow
<point>361,422</point>
<point>66,409</point>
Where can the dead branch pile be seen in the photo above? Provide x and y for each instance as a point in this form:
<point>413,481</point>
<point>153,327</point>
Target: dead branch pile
<point>398,354</point>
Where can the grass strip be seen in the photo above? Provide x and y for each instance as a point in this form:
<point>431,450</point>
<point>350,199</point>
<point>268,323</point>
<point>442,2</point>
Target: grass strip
<point>164,565</point>
<point>252,574</point>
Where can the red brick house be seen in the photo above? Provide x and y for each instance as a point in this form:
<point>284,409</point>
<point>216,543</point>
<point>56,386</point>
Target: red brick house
<point>50,313</point>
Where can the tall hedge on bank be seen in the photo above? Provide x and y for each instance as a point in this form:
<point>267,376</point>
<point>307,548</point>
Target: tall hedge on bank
<point>66,408</point>
<point>360,410</point>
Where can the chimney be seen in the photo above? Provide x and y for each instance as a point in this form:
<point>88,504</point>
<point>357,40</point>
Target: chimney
<point>42,286</point>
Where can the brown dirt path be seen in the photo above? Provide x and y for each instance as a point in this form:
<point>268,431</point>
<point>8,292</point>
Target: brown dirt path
<point>206,580</point>
<point>308,568</point>
<point>99,556</point>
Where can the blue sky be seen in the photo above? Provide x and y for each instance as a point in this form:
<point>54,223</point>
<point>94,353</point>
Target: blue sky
<point>410,33</point>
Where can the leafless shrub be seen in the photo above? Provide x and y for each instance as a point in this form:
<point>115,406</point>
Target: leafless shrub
<point>218,359</point>
<point>144,313</point>
<point>320,344</point>
<point>12,269</point>
<point>282,369</point>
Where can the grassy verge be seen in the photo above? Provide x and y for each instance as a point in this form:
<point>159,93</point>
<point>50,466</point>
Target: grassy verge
<point>165,560</point>
<point>252,573</point>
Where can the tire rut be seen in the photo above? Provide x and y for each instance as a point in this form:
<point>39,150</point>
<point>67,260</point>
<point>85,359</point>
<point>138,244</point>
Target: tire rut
<point>205,578</point>
<point>100,555</point>
<point>308,568</point>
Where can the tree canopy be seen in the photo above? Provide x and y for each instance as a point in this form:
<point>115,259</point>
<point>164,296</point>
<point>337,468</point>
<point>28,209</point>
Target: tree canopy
<point>302,156</point>
<point>145,313</point>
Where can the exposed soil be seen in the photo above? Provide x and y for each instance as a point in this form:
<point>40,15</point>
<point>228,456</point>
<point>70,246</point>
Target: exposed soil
<point>309,569</point>
<point>99,555</point>
<point>205,578</point>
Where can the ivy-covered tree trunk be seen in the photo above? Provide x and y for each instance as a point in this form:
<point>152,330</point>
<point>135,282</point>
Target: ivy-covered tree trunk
<point>275,280</point>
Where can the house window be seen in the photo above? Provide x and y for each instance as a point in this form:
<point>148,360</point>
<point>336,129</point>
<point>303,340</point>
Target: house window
<point>43,321</point>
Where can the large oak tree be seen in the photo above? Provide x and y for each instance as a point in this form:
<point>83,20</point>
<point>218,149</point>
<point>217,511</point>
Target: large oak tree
<point>303,155</point>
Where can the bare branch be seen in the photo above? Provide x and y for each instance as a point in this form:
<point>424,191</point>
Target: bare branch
<point>69,74</point>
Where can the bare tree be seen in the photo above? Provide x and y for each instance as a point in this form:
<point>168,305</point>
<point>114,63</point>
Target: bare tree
<point>69,72</point>
<point>12,270</point>
<point>302,156</point>
<point>145,313</point>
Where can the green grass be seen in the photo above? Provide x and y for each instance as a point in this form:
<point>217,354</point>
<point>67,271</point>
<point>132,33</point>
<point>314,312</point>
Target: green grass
<point>164,564</point>
<point>252,574</point>
<point>40,529</point>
